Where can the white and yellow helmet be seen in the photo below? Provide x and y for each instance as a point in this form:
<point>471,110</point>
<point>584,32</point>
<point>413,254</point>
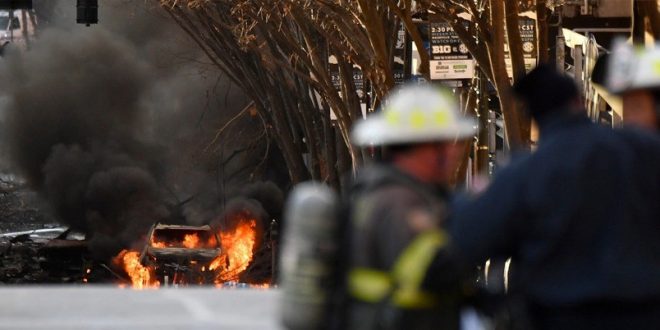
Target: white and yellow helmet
<point>632,68</point>
<point>414,114</point>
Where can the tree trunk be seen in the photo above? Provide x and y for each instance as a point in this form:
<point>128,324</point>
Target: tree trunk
<point>344,158</point>
<point>648,15</point>
<point>500,76</point>
<point>407,20</point>
<point>292,153</point>
<point>482,158</point>
<point>331,164</point>
<point>470,99</point>
<point>514,39</point>
<point>542,44</point>
<point>517,64</point>
<point>639,27</point>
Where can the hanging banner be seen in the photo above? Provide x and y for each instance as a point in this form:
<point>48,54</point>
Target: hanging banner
<point>399,65</point>
<point>528,36</point>
<point>450,59</point>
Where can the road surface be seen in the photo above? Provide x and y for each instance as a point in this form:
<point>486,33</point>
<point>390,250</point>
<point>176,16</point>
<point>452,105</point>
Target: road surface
<point>90,307</point>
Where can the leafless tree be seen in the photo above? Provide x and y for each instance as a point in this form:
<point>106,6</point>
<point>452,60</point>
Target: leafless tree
<point>645,18</point>
<point>484,37</point>
<point>278,53</point>
<point>249,44</point>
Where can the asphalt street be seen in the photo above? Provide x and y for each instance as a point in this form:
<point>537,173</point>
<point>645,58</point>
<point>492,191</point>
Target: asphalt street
<point>89,307</point>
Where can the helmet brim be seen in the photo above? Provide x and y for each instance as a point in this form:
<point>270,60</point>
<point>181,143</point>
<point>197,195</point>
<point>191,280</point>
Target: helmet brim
<point>377,131</point>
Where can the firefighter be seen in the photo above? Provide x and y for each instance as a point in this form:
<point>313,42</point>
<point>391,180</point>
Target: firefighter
<point>396,209</point>
<point>579,217</point>
<point>635,75</point>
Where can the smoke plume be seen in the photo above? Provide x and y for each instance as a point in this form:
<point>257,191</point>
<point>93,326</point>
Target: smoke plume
<point>113,124</point>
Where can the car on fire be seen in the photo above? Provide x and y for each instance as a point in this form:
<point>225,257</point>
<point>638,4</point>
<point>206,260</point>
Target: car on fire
<point>181,254</point>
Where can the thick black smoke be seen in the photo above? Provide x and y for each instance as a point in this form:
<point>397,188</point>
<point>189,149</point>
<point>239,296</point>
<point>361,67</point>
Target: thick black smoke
<point>75,129</point>
<point>114,125</point>
<point>268,194</point>
<point>261,201</point>
<point>83,90</point>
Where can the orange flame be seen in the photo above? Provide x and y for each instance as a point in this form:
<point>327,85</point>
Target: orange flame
<point>237,254</point>
<point>191,241</point>
<point>212,241</point>
<point>238,250</point>
<point>141,277</point>
<point>159,245</point>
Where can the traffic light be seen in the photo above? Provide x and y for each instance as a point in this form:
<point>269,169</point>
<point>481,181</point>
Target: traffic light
<point>87,12</point>
<point>15,4</point>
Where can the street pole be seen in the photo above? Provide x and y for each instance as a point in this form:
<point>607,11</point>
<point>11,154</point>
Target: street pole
<point>492,141</point>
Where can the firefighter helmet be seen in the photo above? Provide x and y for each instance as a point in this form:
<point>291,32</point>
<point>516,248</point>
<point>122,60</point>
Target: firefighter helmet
<point>633,68</point>
<point>414,114</point>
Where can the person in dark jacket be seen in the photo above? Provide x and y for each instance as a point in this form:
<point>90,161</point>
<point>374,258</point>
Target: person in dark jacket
<point>397,208</point>
<point>580,217</point>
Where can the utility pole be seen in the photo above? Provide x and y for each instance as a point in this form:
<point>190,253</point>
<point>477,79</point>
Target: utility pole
<point>492,141</point>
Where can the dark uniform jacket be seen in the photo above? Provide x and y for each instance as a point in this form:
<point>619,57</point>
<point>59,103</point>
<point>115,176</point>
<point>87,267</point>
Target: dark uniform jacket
<point>388,210</point>
<point>580,217</point>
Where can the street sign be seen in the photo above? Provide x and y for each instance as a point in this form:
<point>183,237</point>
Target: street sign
<point>450,59</point>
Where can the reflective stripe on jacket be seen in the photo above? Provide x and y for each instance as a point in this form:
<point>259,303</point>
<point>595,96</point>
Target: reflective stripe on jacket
<point>402,285</point>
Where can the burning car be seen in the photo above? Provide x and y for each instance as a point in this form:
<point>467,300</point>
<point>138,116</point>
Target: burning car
<point>181,254</point>
<point>189,255</point>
